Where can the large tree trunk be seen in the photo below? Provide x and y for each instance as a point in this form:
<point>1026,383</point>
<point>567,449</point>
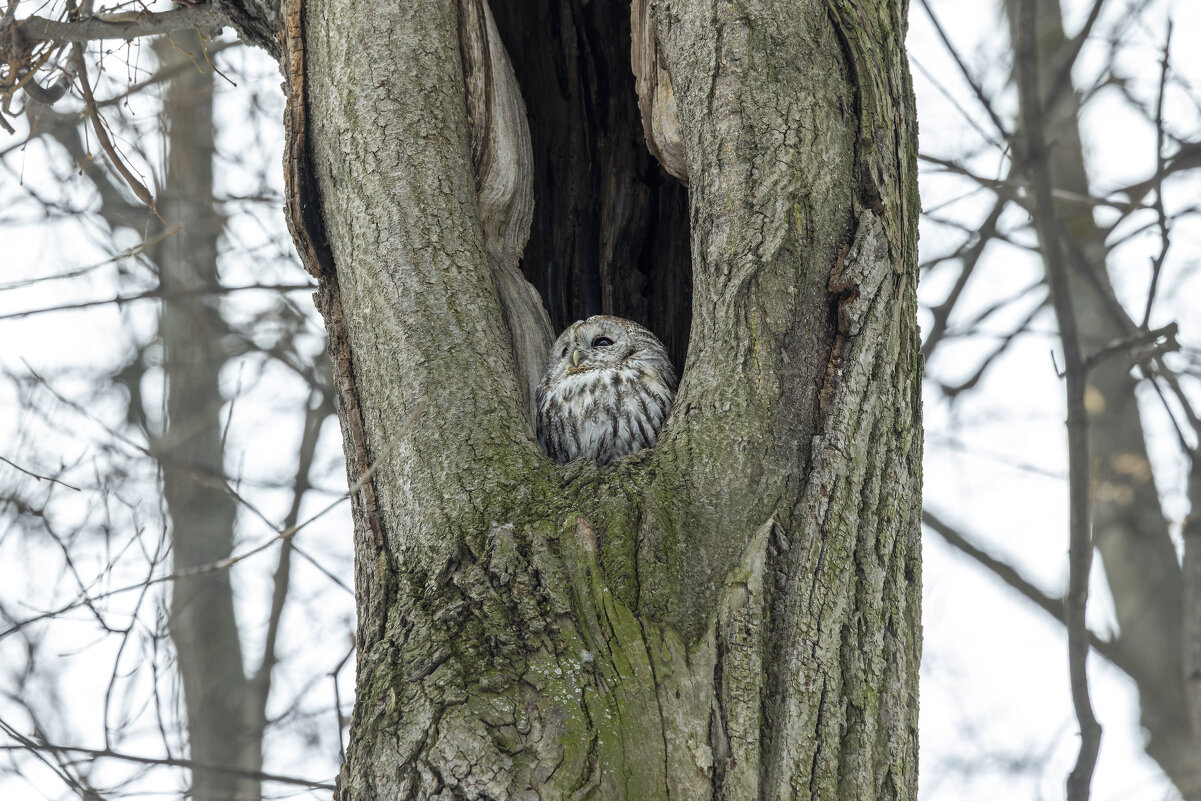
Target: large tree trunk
<point>734,614</point>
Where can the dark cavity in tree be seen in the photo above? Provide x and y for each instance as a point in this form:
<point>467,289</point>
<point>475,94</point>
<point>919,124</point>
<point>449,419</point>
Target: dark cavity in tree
<point>610,229</point>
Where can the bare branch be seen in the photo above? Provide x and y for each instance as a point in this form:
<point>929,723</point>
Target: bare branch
<point>942,312</point>
<point>308,447</point>
<point>39,477</point>
<point>1011,576</point>
<point>1165,239</point>
<point>98,125</point>
<point>158,293</point>
<point>1063,76</point>
<point>124,26</point>
<point>1013,187</point>
<point>1006,341</point>
<point>282,534</point>
<point>29,744</point>
<point>1141,346</point>
<point>967,75</point>
<point>1188,157</point>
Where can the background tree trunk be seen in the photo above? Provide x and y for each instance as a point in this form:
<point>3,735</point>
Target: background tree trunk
<point>734,614</point>
<point>225,710</point>
<point>1130,532</point>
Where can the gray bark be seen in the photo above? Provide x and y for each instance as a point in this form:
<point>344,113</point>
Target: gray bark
<point>258,22</point>
<point>734,614</point>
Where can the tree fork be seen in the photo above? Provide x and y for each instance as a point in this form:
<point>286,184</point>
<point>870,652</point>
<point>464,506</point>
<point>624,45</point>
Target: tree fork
<point>733,614</point>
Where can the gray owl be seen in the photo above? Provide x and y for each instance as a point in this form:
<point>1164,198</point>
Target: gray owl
<point>608,387</point>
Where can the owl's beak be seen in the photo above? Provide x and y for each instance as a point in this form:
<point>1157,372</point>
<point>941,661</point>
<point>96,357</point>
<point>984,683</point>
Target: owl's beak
<point>575,357</point>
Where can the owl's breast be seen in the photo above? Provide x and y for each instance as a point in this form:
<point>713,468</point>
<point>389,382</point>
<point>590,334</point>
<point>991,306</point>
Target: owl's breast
<point>602,413</point>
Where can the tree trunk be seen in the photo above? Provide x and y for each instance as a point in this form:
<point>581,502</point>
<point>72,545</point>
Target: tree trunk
<point>733,614</point>
<point>1130,532</point>
<point>224,709</point>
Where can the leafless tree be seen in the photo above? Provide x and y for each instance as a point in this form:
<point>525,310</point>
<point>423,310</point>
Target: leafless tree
<point>154,414</point>
<point>1110,347</point>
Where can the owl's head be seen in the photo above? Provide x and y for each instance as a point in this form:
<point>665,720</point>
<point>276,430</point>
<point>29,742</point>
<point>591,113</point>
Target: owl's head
<point>601,342</point>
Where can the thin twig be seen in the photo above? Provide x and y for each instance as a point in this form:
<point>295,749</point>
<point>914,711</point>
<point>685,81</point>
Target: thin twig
<point>1165,240</point>
<point>158,292</point>
<point>29,744</point>
<point>230,561</point>
<point>942,312</point>
<point>333,674</point>
<point>1006,340</point>
<point>37,476</point>
<point>967,75</point>
<point>945,92</point>
<point>106,143</point>
<point>313,418</point>
<point>1007,184</point>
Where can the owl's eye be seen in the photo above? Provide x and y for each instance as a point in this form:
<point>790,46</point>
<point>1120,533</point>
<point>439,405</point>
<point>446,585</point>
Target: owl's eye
<point>563,355</point>
<point>601,342</point>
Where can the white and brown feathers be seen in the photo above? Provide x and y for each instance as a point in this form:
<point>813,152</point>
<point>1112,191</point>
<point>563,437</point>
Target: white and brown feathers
<point>608,387</point>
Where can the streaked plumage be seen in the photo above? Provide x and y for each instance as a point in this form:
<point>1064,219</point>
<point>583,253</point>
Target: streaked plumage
<point>608,388</point>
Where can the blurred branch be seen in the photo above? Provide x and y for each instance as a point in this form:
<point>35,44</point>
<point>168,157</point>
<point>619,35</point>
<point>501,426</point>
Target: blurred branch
<point>65,129</point>
<point>1067,57</point>
<point>229,561</point>
<point>1006,341</point>
<point>158,293</point>
<point>125,26</point>
<point>1188,157</point>
<point>1015,187</point>
<point>963,112</point>
<point>1161,217</point>
<point>314,417</point>
<point>16,466</point>
<point>1140,346</point>
<point>29,744</point>
<point>967,75</point>
<point>1080,550</point>
<point>1009,574</point>
<point>942,312</point>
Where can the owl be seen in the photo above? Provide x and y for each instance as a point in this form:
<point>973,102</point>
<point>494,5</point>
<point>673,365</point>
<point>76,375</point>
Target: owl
<point>608,387</point>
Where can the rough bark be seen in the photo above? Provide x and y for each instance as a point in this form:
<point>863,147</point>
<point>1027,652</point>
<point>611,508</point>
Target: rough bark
<point>1191,535</point>
<point>1129,529</point>
<point>258,22</point>
<point>733,614</point>
<point>222,705</point>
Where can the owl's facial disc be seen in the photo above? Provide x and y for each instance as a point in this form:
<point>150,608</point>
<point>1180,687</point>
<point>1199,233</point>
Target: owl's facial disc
<point>598,345</point>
